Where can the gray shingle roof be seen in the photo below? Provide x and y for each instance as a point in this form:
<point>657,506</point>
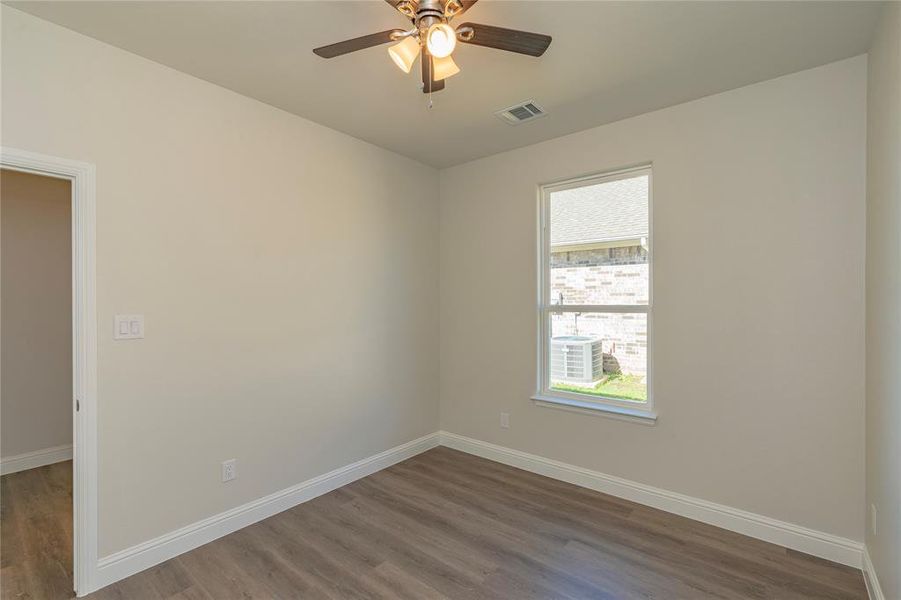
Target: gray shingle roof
<point>603,212</point>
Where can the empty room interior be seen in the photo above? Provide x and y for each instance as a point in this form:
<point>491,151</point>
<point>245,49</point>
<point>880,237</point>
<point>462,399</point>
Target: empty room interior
<point>450,299</point>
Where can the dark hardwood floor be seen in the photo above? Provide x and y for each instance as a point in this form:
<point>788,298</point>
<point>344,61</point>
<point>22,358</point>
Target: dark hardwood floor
<point>448,525</point>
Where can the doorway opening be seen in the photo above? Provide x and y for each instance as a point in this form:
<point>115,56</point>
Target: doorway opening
<point>36,431</point>
<point>48,361</point>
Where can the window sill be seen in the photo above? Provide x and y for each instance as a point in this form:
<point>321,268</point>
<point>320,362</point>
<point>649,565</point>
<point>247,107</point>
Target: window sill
<point>622,413</point>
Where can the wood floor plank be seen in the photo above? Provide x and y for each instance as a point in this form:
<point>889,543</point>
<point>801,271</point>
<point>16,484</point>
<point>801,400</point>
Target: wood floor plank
<point>328,573</point>
<point>192,593</point>
<point>440,526</point>
<point>405,585</point>
<point>36,533</point>
<point>526,560</point>
<point>381,540</point>
<point>260,560</point>
<point>563,532</point>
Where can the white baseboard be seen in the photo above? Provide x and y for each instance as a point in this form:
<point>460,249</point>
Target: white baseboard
<point>33,460</point>
<point>874,590</point>
<point>817,543</point>
<point>132,560</point>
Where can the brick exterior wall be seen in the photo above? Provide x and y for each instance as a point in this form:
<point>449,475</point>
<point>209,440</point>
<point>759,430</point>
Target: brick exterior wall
<point>605,276</point>
<point>626,255</point>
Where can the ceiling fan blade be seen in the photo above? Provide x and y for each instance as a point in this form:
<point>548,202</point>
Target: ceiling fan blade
<point>511,40</point>
<point>347,46</point>
<point>428,83</point>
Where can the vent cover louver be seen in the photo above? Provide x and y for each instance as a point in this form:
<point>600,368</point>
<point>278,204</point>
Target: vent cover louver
<point>519,113</point>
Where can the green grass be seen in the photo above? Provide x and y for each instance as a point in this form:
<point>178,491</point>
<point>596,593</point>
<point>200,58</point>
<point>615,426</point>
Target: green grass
<point>622,387</point>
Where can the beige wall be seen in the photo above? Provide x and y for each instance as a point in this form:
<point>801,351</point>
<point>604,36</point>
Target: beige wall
<point>884,300</point>
<point>35,313</point>
<point>286,273</point>
<point>758,339</point>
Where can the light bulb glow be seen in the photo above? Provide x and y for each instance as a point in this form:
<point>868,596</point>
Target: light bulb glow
<point>404,53</point>
<point>441,40</point>
<point>444,67</point>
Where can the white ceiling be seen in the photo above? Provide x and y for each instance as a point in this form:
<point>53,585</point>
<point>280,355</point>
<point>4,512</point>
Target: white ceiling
<point>608,60</point>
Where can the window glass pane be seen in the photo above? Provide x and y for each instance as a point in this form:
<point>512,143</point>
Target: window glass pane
<point>599,354</point>
<point>599,243</point>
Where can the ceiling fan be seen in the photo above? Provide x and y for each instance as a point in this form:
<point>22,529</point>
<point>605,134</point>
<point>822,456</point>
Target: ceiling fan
<point>432,38</point>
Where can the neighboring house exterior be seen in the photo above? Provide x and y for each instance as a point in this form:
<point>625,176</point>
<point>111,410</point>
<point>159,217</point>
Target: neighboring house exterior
<point>599,255</point>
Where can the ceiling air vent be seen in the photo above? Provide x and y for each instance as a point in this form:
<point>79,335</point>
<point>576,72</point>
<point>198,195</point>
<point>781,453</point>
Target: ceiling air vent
<point>519,113</point>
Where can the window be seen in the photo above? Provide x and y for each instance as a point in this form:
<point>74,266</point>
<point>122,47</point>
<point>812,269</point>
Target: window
<point>595,296</point>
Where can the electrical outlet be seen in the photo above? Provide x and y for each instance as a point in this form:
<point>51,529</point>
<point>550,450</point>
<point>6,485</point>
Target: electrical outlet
<point>873,519</point>
<point>505,420</point>
<point>229,470</point>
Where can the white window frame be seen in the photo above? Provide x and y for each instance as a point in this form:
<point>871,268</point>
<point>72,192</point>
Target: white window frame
<point>642,412</point>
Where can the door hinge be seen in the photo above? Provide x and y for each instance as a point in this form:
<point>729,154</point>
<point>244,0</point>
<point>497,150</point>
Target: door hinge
<point>77,405</point>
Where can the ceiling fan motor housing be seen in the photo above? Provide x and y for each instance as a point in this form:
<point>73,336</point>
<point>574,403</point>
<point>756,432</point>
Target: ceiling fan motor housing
<point>428,13</point>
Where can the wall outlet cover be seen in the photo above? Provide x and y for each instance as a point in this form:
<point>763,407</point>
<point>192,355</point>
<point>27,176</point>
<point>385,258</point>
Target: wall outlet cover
<point>229,469</point>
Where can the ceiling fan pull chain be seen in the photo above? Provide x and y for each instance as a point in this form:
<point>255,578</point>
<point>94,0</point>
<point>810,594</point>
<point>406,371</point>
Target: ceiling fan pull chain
<point>431,74</point>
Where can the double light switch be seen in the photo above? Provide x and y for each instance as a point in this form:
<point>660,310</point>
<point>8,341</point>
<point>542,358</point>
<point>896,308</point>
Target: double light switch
<point>129,327</point>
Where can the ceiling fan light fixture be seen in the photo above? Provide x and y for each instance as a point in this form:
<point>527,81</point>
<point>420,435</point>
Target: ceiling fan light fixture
<point>433,40</point>
<point>444,68</point>
<point>404,53</point>
<point>441,40</point>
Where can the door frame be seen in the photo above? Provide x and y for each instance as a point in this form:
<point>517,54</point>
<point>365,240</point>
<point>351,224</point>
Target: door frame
<point>84,350</point>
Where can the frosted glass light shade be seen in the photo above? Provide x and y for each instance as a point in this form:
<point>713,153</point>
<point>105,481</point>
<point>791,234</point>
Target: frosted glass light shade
<point>444,68</point>
<point>404,53</point>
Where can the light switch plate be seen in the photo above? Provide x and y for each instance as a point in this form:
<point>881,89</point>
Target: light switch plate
<point>128,327</point>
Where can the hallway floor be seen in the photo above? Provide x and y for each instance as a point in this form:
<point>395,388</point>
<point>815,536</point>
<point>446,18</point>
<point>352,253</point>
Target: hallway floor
<point>36,533</point>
